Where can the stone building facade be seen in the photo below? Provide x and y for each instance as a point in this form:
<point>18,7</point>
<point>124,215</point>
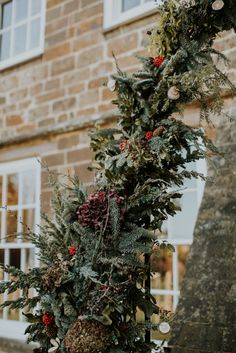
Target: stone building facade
<point>50,98</point>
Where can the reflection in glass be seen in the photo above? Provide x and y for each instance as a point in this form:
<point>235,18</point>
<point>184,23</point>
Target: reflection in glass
<point>6,14</point>
<point>0,191</point>
<point>28,187</point>
<point>183,223</point>
<point>21,11</point>
<point>161,268</point>
<point>5,45</point>
<point>34,33</point>
<point>1,262</point>
<point>1,310</point>
<point>28,223</point>
<point>12,189</point>
<point>14,314</point>
<point>129,4</point>
<point>30,253</point>
<point>165,302</point>
<point>11,226</point>
<point>20,39</point>
<point>15,257</point>
<point>35,7</point>
<point>183,251</point>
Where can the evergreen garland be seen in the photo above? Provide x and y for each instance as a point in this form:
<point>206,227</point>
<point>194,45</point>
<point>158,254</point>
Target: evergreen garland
<point>93,274</point>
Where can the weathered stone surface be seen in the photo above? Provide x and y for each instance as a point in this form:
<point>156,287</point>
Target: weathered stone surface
<point>206,314</point>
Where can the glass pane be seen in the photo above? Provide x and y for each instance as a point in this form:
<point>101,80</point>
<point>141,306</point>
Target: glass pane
<point>183,223</point>
<point>5,45</point>
<point>35,33</point>
<point>165,302</point>
<point>161,268</point>
<point>183,251</point>
<point>28,223</point>
<point>28,185</point>
<point>11,226</point>
<point>191,183</point>
<point>129,4</point>
<point>6,14</point>
<point>21,10</point>
<point>35,7</point>
<point>20,39</point>
<point>12,189</point>
<point>1,310</point>
<point>14,314</point>
<point>1,262</point>
<point>15,258</point>
<point>0,191</point>
<point>30,254</point>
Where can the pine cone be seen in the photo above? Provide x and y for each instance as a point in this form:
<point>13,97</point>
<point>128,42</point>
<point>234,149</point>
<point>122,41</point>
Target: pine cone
<point>85,336</point>
<point>158,131</point>
<point>52,277</point>
<point>93,213</point>
<point>51,331</point>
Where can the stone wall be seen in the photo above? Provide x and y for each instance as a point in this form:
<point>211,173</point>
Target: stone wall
<point>66,82</point>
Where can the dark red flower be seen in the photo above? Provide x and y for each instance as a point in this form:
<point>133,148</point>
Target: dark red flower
<point>158,60</point>
<point>149,135</point>
<point>94,213</point>
<point>72,250</point>
<point>48,319</point>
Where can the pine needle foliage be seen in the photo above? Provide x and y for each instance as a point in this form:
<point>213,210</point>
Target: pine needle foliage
<point>92,251</point>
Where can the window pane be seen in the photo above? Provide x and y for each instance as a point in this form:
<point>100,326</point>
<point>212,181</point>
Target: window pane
<point>34,34</point>
<point>1,262</point>
<point>12,189</point>
<point>21,10</point>
<point>15,258</point>
<point>30,256</point>
<point>6,14</point>
<point>28,192</point>
<point>191,183</point>
<point>161,268</point>
<point>5,45</point>
<point>28,223</point>
<point>129,4</point>
<point>11,226</point>
<point>183,251</point>
<point>20,39</point>
<point>0,191</point>
<point>35,7</point>
<point>183,223</point>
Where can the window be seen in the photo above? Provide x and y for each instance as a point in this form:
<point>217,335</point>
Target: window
<point>21,30</point>
<point>121,11</point>
<point>168,269</point>
<point>19,211</point>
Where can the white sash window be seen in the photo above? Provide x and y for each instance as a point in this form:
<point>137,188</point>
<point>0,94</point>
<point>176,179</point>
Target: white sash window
<point>19,212</point>
<point>22,25</point>
<point>117,12</point>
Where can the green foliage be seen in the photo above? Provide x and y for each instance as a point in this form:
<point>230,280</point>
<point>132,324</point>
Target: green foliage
<point>101,273</point>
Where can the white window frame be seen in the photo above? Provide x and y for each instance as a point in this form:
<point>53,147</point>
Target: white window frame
<point>201,167</point>
<point>29,54</point>
<point>10,328</point>
<point>113,15</point>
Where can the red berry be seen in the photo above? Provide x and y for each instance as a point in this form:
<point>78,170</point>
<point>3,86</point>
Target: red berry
<point>123,145</point>
<point>158,60</point>
<point>104,289</point>
<point>72,250</point>
<point>149,135</point>
<point>48,319</point>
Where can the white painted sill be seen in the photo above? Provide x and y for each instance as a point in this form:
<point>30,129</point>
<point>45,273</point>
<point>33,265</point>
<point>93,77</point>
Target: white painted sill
<point>111,20</point>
